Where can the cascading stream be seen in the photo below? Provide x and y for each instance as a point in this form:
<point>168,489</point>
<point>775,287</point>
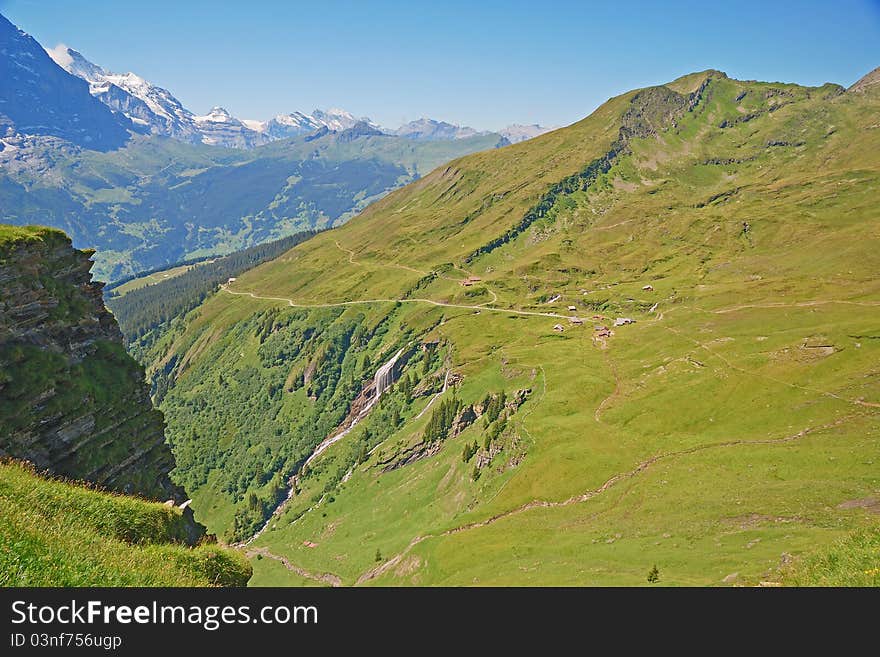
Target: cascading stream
<point>382,380</point>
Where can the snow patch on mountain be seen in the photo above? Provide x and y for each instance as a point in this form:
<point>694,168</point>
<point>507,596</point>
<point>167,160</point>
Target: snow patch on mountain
<point>141,101</point>
<point>516,132</point>
<point>426,129</point>
<point>61,55</point>
<point>253,124</point>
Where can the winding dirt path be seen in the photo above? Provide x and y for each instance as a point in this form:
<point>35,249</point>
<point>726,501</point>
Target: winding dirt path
<point>325,578</point>
<point>796,304</point>
<point>351,260</point>
<point>390,264</point>
<point>728,363</point>
<point>590,494</point>
<point>614,393</point>
<point>479,308</point>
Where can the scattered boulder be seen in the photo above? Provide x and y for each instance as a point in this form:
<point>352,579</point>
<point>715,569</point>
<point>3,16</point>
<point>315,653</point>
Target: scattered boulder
<point>463,420</point>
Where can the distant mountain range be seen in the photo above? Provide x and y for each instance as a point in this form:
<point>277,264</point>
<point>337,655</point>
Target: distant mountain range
<point>156,110</point>
<point>122,166</point>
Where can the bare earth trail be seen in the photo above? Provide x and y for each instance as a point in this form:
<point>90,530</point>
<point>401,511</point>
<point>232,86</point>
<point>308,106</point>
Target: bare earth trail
<point>797,304</point>
<point>591,494</point>
<point>614,393</point>
<point>325,578</point>
<point>351,260</point>
<point>857,402</point>
<point>477,308</point>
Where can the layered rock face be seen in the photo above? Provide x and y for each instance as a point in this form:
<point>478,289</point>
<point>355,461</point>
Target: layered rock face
<point>71,399</point>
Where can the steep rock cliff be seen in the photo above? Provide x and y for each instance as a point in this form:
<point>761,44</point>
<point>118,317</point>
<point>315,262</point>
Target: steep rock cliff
<point>71,400</point>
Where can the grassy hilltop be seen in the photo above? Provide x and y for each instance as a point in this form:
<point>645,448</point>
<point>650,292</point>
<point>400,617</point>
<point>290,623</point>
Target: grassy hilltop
<point>60,533</point>
<point>72,402</point>
<point>727,434</point>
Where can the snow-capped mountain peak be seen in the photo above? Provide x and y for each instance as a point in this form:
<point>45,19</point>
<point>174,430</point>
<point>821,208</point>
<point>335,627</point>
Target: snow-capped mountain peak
<point>217,114</point>
<point>74,63</point>
<point>157,109</point>
<point>517,132</point>
<point>39,98</point>
<point>426,129</point>
<point>297,123</point>
<point>147,108</point>
<point>339,119</point>
<point>219,128</point>
<point>296,119</point>
<point>128,93</point>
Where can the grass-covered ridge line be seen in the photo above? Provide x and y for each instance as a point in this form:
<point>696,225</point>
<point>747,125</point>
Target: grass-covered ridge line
<point>10,236</point>
<point>62,533</point>
<point>651,110</point>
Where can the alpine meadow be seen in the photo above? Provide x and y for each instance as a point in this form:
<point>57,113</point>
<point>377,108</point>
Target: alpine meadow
<point>650,337</point>
<point>639,350</point>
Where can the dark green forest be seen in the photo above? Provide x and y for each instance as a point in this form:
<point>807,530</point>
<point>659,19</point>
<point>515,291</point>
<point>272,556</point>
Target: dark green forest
<point>142,310</point>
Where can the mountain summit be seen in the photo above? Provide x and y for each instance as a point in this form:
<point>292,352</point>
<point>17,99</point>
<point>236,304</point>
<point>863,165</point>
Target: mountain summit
<point>38,97</point>
<point>426,129</point>
<point>141,101</point>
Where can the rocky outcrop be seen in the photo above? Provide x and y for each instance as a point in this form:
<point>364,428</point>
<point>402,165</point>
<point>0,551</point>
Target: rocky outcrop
<point>869,81</point>
<point>71,400</point>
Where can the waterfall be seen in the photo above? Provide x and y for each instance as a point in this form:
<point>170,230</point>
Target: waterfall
<point>382,380</point>
<point>385,375</point>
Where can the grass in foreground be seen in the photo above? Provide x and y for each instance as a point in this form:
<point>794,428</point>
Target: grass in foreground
<point>55,533</point>
<point>852,561</point>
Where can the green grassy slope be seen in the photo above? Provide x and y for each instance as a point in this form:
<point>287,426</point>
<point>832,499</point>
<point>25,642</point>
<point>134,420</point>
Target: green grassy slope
<point>720,436</point>
<point>852,561</point>
<point>58,533</point>
<point>158,201</point>
<point>13,234</point>
<point>151,279</point>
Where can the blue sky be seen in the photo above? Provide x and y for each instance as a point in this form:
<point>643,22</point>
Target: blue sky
<point>484,64</point>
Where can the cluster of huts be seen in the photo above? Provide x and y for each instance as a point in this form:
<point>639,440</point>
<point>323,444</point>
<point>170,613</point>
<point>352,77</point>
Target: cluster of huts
<point>601,330</point>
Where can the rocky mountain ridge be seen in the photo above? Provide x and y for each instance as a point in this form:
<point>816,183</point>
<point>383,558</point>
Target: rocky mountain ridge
<point>72,401</point>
